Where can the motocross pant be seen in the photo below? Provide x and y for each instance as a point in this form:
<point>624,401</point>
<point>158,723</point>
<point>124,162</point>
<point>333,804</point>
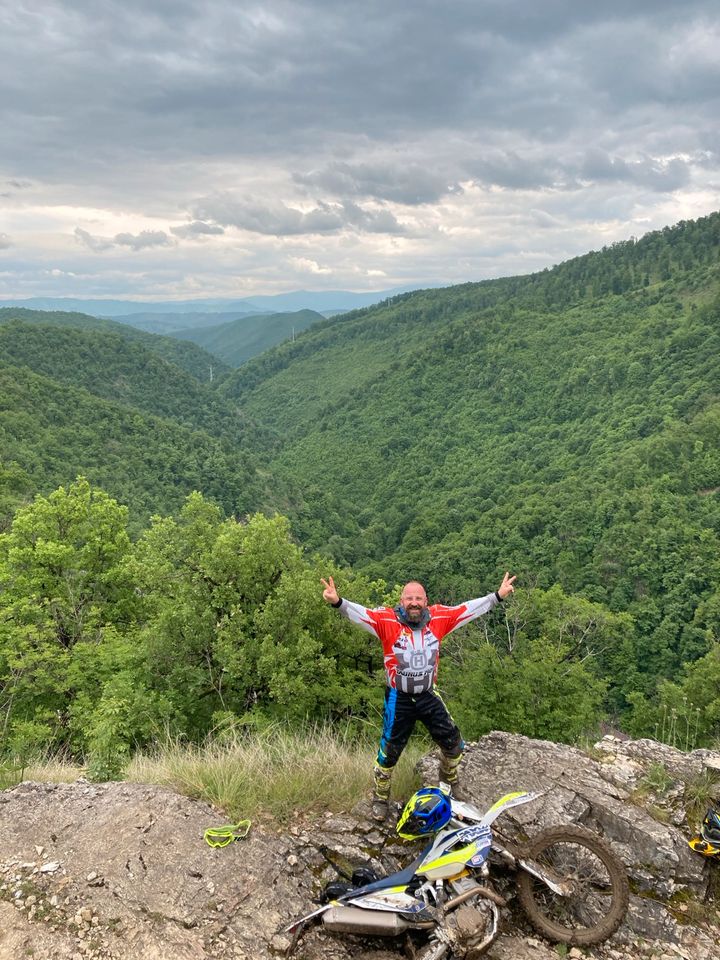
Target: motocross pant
<point>402,711</point>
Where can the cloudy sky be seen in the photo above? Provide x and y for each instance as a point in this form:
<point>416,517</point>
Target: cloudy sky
<point>213,148</point>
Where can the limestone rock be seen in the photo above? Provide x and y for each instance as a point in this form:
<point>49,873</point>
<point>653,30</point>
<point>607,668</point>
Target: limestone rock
<point>128,875</point>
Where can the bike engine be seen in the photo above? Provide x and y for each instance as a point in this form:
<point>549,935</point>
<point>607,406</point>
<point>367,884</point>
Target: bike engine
<point>470,929</point>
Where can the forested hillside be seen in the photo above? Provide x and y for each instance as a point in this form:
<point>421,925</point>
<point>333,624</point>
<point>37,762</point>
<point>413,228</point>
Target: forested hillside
<point>187,356</point>
<point>246,337</point>
<point>51,432</point>
<point>122,371</point>
<point>82,399</point>
<point>563,425</point>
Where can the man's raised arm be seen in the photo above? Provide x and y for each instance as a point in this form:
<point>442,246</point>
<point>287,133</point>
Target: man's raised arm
<point>448,619</point>
<point>355,612</point>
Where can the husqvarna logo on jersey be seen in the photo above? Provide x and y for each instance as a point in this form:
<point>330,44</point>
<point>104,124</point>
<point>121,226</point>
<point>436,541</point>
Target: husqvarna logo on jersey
<point>418,660</point>
<point>416,656</point>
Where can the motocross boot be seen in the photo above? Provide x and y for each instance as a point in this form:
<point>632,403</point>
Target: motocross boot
<point>381,792</point>
<point>449,775</point>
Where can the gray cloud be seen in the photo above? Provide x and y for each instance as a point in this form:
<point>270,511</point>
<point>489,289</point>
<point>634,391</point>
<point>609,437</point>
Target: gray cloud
<point>184,80</point>
<point>536,171</point>
<point>140,241</point>
<point>407,184</point>
<point>654,174</point>
<point>5,242</point>
<point>97,244</point>
<point>143,240</point>
<point>197,228</point>
<point>509,169</point>
<point>280,220</point>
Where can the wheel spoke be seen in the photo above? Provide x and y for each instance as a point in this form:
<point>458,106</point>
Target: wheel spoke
<point>598,895</point>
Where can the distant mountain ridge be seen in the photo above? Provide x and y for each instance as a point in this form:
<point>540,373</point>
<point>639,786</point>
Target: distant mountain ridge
<point>188,356</point>
<point>319,300</point>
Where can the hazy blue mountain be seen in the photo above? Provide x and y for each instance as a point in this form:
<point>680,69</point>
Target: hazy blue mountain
<point>119,308</point>
<point>166,324</point>
<point>324,301</point>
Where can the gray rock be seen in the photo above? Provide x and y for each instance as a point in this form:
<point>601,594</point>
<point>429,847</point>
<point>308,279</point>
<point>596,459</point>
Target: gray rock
<point>166,895</point>
<point>598,794</point>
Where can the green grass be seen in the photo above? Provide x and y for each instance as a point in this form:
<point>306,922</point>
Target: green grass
<point>266,774</point>
<point>273,773</point>
<point>657,779</point>
<point>700,793</point>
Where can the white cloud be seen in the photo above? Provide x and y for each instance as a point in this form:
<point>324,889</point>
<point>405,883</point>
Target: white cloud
<point>305,265</point>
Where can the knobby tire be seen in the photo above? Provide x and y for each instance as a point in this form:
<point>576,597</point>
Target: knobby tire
<point>597,907</point>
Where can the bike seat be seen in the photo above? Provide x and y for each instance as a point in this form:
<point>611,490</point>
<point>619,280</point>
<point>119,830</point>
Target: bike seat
<point>400,879</point>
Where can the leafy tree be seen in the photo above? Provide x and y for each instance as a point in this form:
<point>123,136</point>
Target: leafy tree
<point>232,620</point>
<point>63,584</point>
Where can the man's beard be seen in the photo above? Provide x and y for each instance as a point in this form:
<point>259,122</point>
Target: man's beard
<point>414,614</point>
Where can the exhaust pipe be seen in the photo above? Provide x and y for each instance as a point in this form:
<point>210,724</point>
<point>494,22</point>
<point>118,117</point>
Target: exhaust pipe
<point>372,923</point>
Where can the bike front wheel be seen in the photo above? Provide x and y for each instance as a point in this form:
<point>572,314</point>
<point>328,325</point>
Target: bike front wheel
<point>599,889</point>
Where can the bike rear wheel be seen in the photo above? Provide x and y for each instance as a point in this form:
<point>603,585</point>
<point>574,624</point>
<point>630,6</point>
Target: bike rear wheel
<point>600,892</point>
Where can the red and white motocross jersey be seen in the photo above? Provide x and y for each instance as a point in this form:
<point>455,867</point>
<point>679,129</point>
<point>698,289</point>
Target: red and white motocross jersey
<point>412,653</point>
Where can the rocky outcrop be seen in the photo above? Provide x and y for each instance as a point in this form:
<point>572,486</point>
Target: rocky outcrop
<point>633,793</point>
<point>121,870</point>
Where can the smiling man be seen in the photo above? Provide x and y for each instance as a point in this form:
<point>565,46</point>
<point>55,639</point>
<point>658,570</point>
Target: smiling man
<point>410,635</point>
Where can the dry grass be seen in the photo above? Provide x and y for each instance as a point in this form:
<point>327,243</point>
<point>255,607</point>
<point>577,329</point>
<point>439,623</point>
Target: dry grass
<point>274,772</point>
<point>49,770</point>
<point>701,792</point>
<point>249,773</point>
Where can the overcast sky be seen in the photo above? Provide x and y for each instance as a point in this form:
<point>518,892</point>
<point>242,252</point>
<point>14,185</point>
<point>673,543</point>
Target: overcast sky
<point>222,148</point>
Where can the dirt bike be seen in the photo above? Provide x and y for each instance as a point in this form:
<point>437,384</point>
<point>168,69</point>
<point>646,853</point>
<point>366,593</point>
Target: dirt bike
<point>572,886</point>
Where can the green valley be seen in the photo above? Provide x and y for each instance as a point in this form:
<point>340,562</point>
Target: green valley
<point>236,342</point>
<point>563,425</point>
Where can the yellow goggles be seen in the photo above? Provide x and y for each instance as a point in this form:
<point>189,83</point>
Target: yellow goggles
<point>222,836</point>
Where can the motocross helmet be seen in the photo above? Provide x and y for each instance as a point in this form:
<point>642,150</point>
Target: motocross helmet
<point>426,812</point>
<point>710,828</point>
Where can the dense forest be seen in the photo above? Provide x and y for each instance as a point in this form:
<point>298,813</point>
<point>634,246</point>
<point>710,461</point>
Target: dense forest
<point>187,356</point>
<point>245,337</point>
<point>562,425</point>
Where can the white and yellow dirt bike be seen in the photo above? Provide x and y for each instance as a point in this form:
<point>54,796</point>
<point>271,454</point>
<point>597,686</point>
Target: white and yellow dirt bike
<point>572,886</point>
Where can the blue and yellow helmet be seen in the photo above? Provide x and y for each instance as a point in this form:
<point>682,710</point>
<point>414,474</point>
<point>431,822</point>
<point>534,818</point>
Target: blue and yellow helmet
<point>426,812</point>
<point>710,828</point>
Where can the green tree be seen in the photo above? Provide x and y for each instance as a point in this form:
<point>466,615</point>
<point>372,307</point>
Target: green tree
<point>232,621</point>
<point>63,583</point>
